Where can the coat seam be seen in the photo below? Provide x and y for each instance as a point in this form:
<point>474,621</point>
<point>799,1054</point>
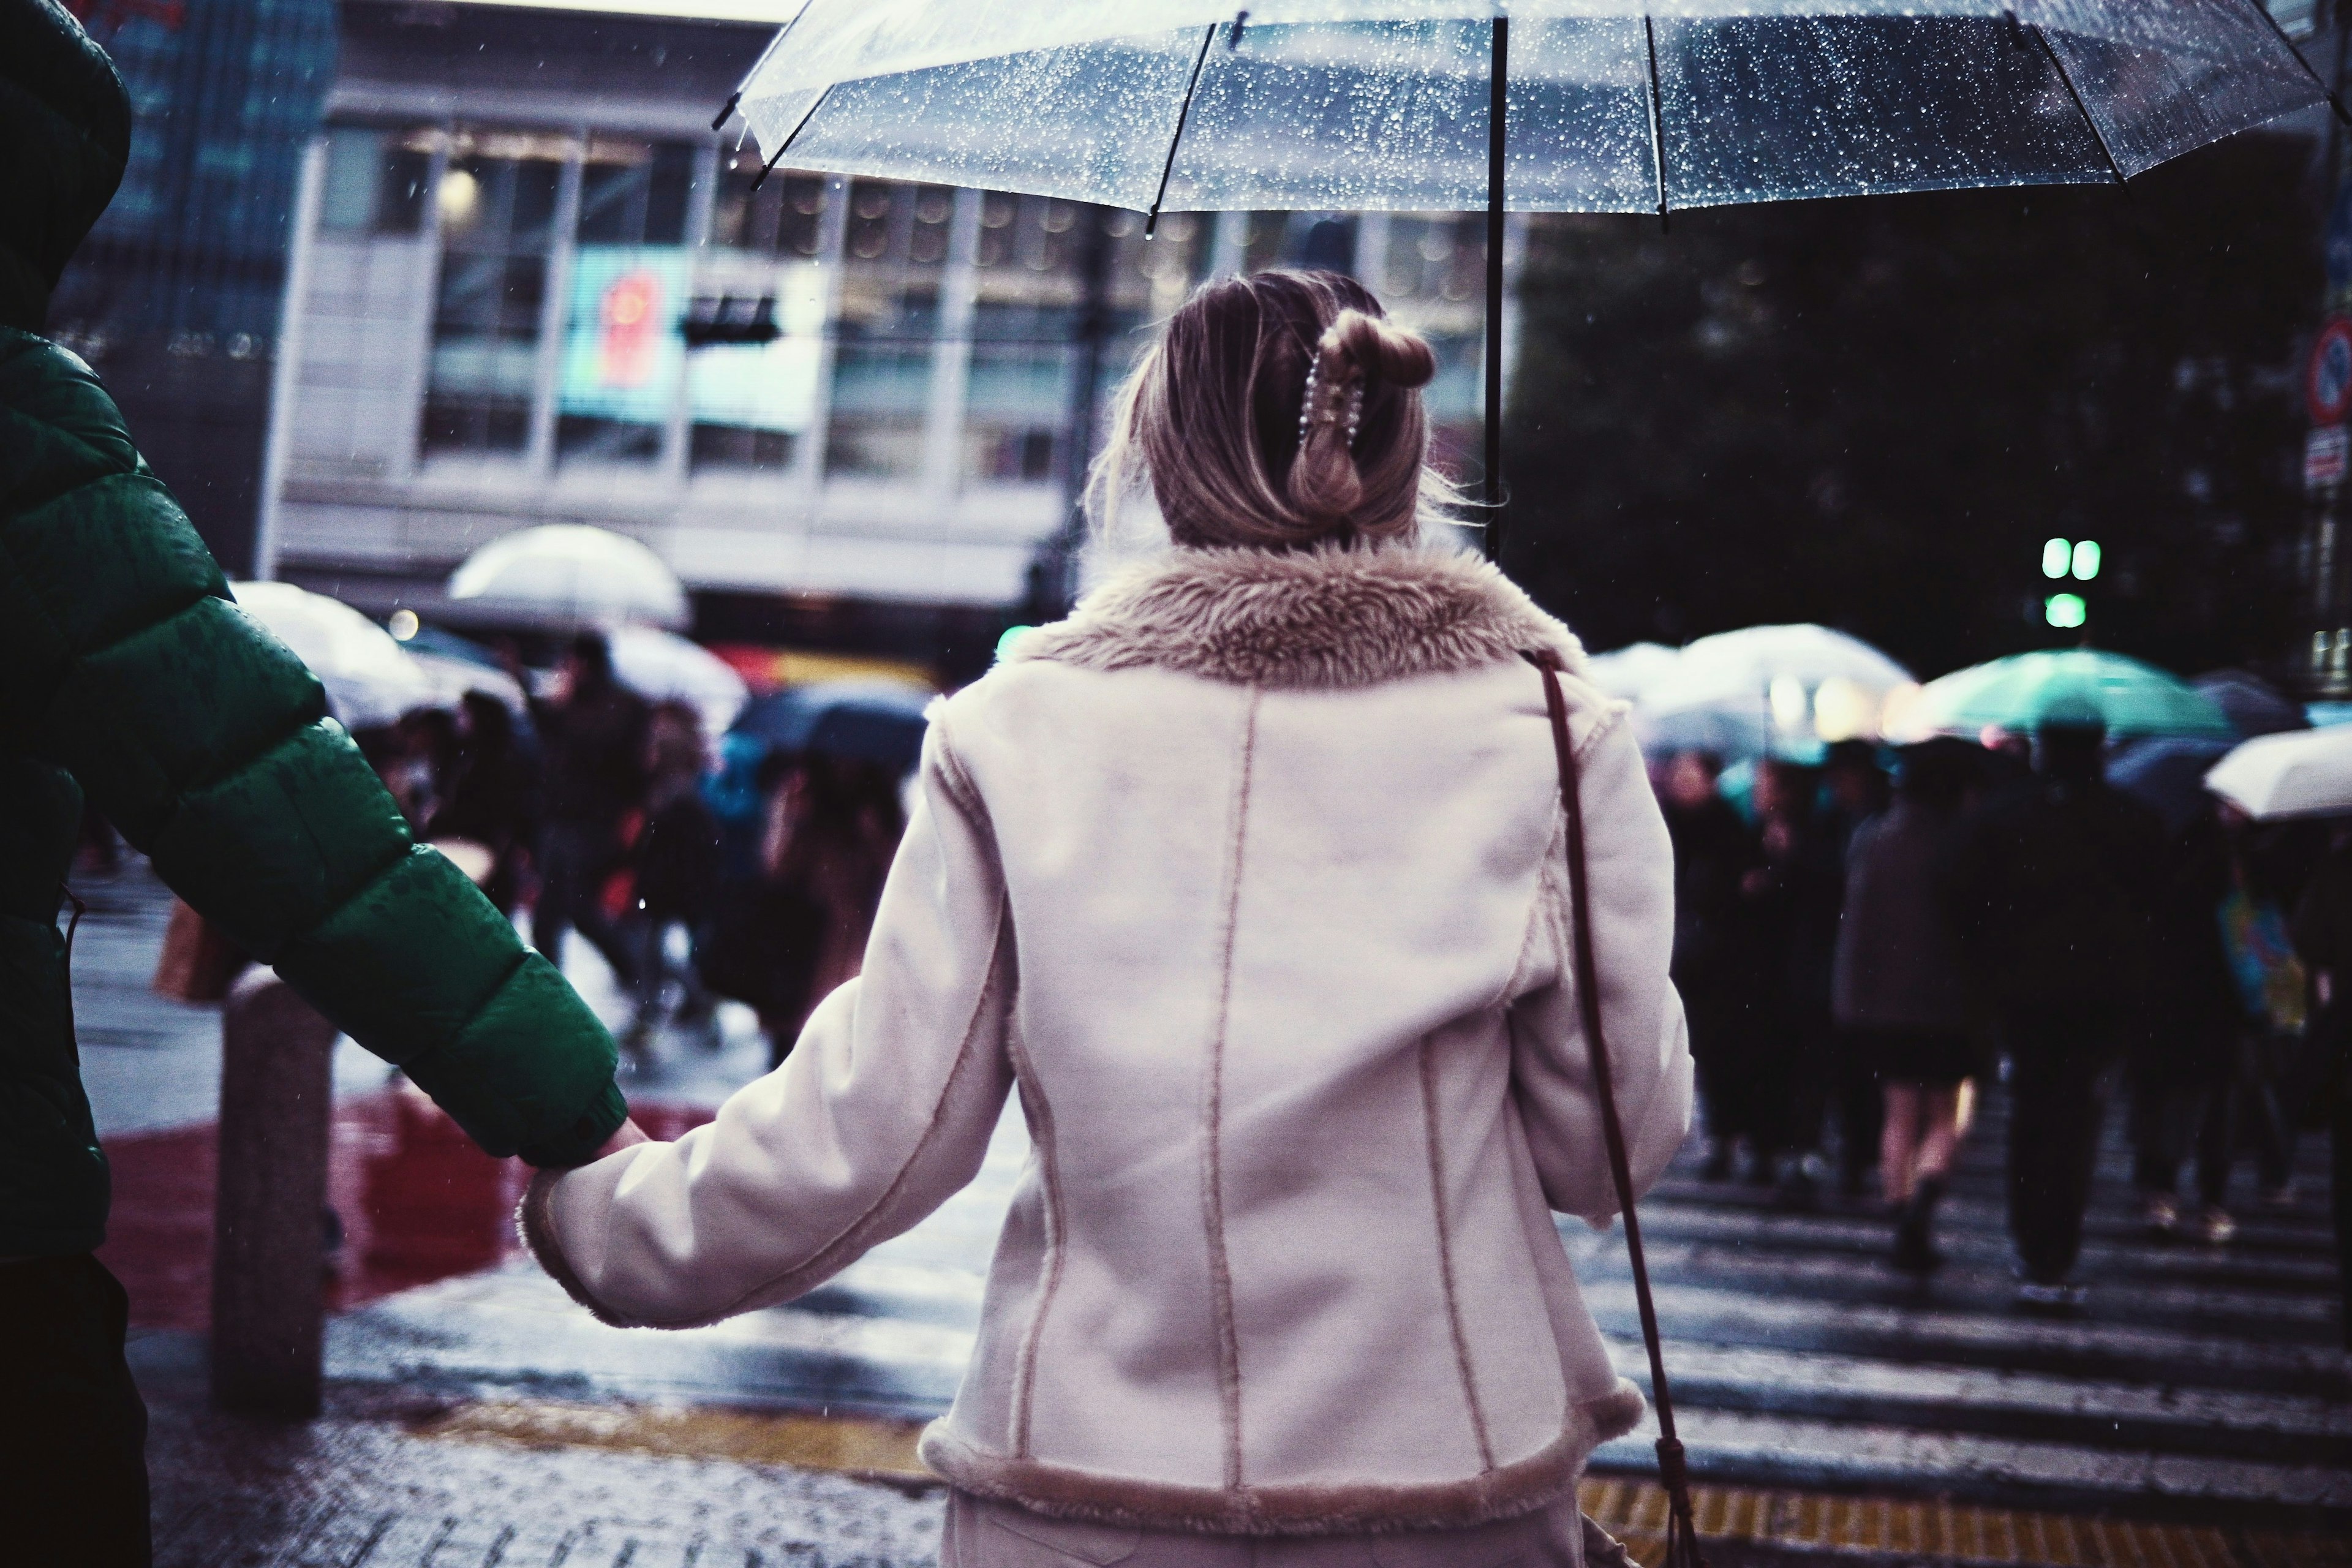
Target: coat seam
<point>1212,1203</point>
<point>1541,906</point>
<point>1056,1246</point>
<point>1436,1149</point>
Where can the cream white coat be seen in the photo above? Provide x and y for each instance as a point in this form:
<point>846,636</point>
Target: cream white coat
<point>1249,877</point>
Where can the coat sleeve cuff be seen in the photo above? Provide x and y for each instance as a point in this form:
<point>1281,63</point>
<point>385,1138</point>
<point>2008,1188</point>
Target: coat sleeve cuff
<point>578,1143</point>
<point>535,1220</point>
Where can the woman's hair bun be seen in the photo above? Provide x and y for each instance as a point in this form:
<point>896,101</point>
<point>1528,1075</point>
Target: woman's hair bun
<point>1379,350</point>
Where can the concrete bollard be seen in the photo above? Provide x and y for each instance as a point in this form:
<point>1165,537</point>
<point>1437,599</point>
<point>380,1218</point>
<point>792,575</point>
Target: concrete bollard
<point>268,1277</point>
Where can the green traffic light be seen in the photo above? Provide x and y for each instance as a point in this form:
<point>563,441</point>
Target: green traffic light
<point>2087,560</point>
<point>2057,554</point>
<point>2065,611</point>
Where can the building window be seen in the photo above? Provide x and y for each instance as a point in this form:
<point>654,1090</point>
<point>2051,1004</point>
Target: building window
<point>495,201</point>
<point>375,181</point>
<point>785,217</point>
<point>623,354</point>
<point>894,250</point>
<point>1032,261</point>
<point>752,400</point>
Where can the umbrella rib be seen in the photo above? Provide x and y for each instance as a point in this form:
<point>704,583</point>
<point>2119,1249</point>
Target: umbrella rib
<point>1183,113</point>
<point>737,96</point>
<point>786,146</point>
<point>2318,80</point>
<point>2081,108</point>
<point>1657,116</point>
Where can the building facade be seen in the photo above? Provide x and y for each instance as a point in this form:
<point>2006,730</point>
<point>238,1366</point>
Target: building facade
<point>531,285</point>
<point>176,296</point>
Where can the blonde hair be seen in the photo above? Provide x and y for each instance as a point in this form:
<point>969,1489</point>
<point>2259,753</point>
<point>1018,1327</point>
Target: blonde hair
<point>1217,419</point>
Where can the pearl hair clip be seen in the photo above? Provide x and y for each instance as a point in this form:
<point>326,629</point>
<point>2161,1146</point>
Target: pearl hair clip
<point>1332,413</point>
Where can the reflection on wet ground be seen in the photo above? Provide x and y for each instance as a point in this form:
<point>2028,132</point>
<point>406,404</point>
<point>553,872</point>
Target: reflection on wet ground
<point>413,1199</point>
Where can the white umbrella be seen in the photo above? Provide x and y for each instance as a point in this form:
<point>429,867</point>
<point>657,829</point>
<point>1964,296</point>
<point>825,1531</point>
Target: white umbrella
<point>1629,671</point>
<point>2302,772</point>
<point>370,680</point>
<point>665,666</point>
<point>569,574</point>
<point>1771,689</point>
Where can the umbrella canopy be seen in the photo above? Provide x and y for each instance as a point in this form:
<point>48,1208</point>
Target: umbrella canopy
<point>1612,105</point>
<point>370,680</point>
<point>1544,105</point>
<point>665,666</point>
<point>2252,705</point>
<point>1629,671</point>
<point>569,575</point>
<point>1782,691</point>
<point>2023,690</point>
<point>864,720</point>
<point>2307,773</point>
<point>2168,774</point>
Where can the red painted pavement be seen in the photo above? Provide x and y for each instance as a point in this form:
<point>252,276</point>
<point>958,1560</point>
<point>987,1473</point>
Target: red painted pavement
<point>419,1203</point>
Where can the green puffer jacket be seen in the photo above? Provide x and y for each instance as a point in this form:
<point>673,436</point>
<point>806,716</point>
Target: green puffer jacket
<point>126,670</point>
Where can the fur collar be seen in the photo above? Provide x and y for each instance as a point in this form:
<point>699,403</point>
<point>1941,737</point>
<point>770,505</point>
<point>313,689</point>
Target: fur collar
<point>1333,618</point>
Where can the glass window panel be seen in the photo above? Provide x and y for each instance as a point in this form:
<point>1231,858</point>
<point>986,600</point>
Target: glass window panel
<point>495,201</point>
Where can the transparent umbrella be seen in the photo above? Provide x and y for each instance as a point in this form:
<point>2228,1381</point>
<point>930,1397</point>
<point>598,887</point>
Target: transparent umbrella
<point>1635,106</point>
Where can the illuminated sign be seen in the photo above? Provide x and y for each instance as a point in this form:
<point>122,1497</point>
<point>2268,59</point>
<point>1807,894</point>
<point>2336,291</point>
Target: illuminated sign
<point>628,343</point>
<point>623,355</point>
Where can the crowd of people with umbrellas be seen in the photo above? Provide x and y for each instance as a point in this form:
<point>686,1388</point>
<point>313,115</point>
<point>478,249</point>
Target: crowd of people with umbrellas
<point>2079,872</point>
<point>707,841</point>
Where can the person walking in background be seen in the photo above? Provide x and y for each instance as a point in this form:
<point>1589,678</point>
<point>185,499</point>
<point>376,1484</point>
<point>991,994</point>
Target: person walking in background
<point>1854,789</point>
<point>1718,967</point>
<point>835,826</point>
<point>1902,988</point>
<point>2323,937</point>
<point>1795,893</point>
<point>132,680</point>
<point>591,736</point>
<point>676,863</point>
<point>2198,1072</point>
<point>1253,876</point>
<point>488,796</point>
<point>2054,888</point>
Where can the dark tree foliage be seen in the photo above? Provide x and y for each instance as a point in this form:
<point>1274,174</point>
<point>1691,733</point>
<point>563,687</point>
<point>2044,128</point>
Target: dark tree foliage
<point>1871,413</point>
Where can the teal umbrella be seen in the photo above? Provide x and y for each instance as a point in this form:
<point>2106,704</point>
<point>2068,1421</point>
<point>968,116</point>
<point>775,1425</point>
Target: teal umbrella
<point>2025,691</point>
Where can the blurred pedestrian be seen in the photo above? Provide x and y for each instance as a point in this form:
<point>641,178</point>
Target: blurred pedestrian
<point>2054,886</point>
<point>134,683</point>
<point>2228,986</point>
<point>1795,895</point>
<point>1855,789</point>
<point>488,796</point>
<point>421,755</point>
<point>1903,994</point>
<point>2323,936</point>
<point>833,829</point>
<point>592,735</point>
<point>676,863</point>
<point>1717,962</point>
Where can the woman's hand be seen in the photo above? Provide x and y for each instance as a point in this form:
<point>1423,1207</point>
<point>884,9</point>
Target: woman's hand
<point>626,1135</point>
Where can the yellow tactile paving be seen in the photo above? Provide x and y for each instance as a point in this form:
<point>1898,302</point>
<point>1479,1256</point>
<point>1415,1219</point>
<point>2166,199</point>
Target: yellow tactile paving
<point>1635,1512</point>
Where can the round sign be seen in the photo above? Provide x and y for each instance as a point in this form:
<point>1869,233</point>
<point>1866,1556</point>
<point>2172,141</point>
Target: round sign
<point>2328,389</point>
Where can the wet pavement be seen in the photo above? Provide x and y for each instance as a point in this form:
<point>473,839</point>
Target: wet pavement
<point>2203,1389</point>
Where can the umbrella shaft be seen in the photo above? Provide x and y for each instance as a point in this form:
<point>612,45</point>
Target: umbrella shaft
<point>1499,82</point>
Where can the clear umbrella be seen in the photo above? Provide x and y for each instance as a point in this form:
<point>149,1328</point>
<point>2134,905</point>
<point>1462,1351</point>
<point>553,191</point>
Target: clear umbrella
<point>1637,105</point>
<point>1770,690</point>
<point>370,680</point>
<point>569,575</point>
<point>666,667</point>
